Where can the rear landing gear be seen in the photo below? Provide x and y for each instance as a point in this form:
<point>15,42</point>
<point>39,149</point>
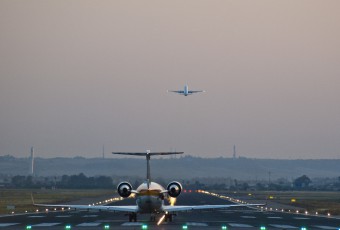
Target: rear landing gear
<point>153,218</point>
<point>132,217</point>
<point>168,217</point>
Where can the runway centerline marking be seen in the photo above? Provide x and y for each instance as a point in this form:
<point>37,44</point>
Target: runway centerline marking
<point>325,227</point>
<point>132,224</point>
<point>274,217</point>
<point>45,224</point>
<point>88,224</point>
<point>240,225</point>
<point>197,224</point>
<point>301,218</point>
<point>90,216</point>
<point>7,224</point>
<point>249,217</point>
<point>283,226</point>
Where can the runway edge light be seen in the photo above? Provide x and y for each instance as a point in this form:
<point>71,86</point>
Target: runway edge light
<point>185,227</point>
<point>224,227</point>
<point>263,228</point>
<point>144,226</point>
<point>28,227</point>
<point>106,226</point>
<point>68,226</point>
<point>303,228</point>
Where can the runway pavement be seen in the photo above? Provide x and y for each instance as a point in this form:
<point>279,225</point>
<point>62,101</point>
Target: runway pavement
<point>234,218</point>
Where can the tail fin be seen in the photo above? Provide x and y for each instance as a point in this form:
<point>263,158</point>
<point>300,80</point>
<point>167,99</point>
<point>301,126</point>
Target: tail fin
<point>148,155</point>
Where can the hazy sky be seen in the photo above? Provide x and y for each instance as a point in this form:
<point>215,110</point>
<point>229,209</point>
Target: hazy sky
<point>75,75</point>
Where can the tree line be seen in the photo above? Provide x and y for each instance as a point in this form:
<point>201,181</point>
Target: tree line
<point>79,181</point>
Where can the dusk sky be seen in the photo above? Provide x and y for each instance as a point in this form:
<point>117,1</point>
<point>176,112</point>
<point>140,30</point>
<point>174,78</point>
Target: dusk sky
<point>75,75</point>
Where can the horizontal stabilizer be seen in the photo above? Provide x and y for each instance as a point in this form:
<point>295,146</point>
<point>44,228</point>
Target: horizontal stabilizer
<point>146,153</point>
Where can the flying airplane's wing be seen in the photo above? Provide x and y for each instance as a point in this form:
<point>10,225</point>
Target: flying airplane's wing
<point>131,208</point>
<point>196,91</point>
<point>176,91</point>
<point>176,208</point>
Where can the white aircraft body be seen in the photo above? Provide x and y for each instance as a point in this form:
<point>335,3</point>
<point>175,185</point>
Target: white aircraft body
<point>149,195</point>
<point>186,91</point>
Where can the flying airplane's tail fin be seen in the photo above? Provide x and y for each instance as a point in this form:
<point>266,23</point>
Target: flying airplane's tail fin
<point>148,155</point>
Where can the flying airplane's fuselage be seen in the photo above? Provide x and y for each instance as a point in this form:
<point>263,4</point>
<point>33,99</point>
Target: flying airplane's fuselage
<point>150,200</point>
<point>186,90</point>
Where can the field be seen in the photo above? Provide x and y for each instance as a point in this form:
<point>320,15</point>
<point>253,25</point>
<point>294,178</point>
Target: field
<point>21,198</point>
<point>320,202</point>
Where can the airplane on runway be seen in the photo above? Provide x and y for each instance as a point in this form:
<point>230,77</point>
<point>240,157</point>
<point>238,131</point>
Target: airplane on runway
<point>186,91</point>
<point>149,195</point>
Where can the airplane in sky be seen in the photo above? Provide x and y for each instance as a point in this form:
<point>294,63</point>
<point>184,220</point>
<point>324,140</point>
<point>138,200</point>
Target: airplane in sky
<point>149,196</point>
<point>186,91</point>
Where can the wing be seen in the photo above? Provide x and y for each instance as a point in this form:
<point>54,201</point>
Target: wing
<point>169,208</point>
<point>196,91</point>
<point>176,91</point>
<point>128,208</point>
<point>131,208</point>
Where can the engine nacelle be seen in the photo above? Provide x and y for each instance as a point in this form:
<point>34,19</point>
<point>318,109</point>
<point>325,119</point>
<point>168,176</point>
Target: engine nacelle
<point>124,189</point>
<point>174,189</point>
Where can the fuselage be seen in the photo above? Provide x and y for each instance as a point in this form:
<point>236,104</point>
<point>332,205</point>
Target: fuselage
<point>186,90</point>
<point>150,200</point>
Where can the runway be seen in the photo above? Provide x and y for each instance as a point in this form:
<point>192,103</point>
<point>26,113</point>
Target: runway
<point>234,218</point>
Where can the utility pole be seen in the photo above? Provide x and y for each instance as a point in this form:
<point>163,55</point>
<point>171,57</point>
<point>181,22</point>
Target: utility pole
<point>234,153</point>
<point>32,161</point>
